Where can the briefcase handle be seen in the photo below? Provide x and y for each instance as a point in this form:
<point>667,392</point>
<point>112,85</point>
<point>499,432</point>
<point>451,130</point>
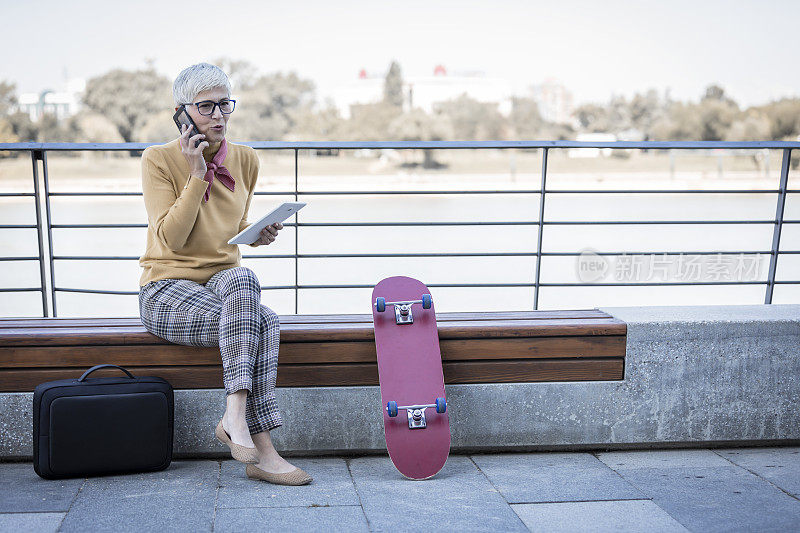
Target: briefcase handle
<point>98,367</point>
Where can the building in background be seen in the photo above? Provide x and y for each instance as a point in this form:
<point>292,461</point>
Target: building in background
<point>365,89</point>
<point>554,100</point>
<point>424,91</point>
<point>63,103</point>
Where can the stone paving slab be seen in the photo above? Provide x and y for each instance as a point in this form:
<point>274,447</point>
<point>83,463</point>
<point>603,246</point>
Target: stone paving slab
<point>180,498</point>
<point>332,485</point>
<point>554,477</point>
<point>347,519</point>
<point>662,459</point>
<point>781,466</point>
<point>631,516</point>
<point>459,498</point>
<point>31,522</point>
<point>22,491</point>
<point>719,499</point>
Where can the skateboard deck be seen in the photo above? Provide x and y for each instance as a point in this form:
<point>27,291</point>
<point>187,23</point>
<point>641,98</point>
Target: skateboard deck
<point>415,419</point>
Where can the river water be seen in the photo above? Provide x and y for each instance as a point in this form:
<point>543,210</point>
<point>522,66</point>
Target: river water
<point>645,239</point>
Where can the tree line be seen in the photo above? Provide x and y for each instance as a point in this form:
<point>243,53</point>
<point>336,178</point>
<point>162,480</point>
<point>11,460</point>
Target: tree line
<point>136,106</point>
<point>715,117</point>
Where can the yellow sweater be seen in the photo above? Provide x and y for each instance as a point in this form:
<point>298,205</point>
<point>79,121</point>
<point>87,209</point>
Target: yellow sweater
<point>187,238</point>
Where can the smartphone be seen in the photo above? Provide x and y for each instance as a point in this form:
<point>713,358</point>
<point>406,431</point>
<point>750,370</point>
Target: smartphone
<point>181,118</point>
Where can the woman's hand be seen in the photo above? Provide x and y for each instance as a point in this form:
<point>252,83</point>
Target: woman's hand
<point>268,234</point>
<point>194,156</point>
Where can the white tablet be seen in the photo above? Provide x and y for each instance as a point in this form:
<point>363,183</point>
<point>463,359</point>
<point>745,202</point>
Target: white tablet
<point>250,234</point>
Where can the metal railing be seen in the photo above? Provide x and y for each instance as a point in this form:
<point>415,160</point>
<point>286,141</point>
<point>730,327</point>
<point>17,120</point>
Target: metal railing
<point>39,151</point>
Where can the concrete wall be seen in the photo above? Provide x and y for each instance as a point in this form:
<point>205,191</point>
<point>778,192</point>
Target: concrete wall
<point>695,374</point>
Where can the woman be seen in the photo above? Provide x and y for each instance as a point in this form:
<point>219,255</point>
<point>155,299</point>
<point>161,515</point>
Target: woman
<point>193,290</point>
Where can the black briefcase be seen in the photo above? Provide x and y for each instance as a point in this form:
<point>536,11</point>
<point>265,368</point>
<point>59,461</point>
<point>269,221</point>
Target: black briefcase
<point>95,426</point>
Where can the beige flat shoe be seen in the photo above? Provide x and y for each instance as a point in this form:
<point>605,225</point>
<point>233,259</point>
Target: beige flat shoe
<point>295,477</point>
<point>240,453</point>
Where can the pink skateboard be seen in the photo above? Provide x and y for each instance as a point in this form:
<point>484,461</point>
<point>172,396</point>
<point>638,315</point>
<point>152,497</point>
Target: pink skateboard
<point>415,419</point>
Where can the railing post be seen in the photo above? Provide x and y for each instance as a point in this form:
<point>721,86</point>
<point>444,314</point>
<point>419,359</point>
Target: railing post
<point>296,240</point>
<point>49,231</point>
<point>36,155</point>
<point>541,227</point>
<point>776,233</point>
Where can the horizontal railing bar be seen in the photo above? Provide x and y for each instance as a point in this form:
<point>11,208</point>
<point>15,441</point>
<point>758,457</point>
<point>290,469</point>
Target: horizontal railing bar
<point>19,258</point>
<point>258,193</point>
<point>410,145</point>
<point>17,226</point>
<point>666,191</point>
<point>456,224</point>
<point>731,252</point>
<point>450,192</point>
<point>431,254</point>
<point>136,257</point>
<point>325,224</point>
<point>100,291</point>
<point>96,226</point>
<point>75,147</point>
<point>455,285</point>
<point>452,224</point>
<point>538,191</point>
<point>506,254</point>
<point>510,254</point>
<point>95,194</point>
<point>92,291</point>
<point>617,222</point>
<point>412,193</point>
<point>512,285</point>
<point>7,194</point>
<point>654,284</point>
<point>529,223</point>
<point>665,145</point>
<point>430,285</point>
<point>32,289</point>
<point>275,193</point>
<point>86,226</point>
<point>96,257</point>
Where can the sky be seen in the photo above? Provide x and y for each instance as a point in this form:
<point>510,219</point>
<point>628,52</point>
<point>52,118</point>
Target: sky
<point>596,49</point>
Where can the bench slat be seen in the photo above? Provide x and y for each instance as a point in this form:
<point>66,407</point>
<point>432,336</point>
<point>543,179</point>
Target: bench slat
<point>190,377</point>
<point>309,352</point>
<point>462,329</point>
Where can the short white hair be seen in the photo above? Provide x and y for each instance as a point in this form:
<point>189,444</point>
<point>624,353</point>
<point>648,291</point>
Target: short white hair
<point>196,79</point>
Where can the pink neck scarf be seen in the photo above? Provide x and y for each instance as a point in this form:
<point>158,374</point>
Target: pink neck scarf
<point>215,169</point>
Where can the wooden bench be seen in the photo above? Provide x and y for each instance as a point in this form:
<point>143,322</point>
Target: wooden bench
<point>324,350</point>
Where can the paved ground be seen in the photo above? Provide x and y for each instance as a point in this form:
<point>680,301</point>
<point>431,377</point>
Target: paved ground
<point>753,489</point>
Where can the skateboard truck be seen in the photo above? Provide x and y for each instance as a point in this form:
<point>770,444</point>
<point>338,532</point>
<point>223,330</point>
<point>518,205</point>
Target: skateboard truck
<point>416,413</point>
<point>402,310</point>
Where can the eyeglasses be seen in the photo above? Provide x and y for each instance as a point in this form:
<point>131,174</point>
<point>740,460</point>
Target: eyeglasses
<point>206,107</point>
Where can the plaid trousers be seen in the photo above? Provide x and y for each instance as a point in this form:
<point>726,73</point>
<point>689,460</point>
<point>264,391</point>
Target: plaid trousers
<point>225,312</point>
